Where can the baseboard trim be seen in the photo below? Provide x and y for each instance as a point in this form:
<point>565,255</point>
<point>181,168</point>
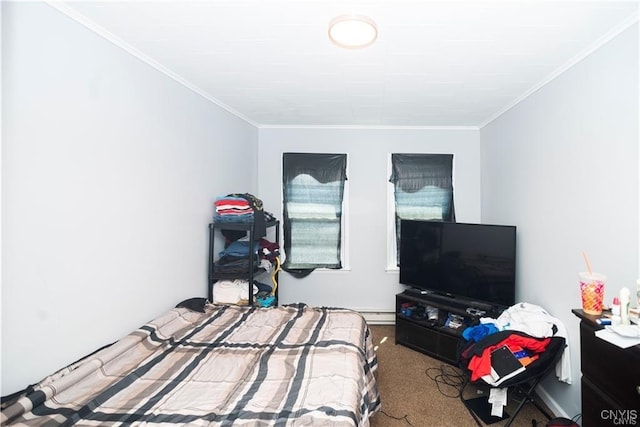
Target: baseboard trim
<point>551,403</point>
<point>378,317</point>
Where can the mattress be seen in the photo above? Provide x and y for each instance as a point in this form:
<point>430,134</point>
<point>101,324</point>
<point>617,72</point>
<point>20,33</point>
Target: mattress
<point>293,365</point>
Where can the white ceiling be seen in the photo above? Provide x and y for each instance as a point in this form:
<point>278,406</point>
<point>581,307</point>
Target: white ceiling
<point>435,63</point>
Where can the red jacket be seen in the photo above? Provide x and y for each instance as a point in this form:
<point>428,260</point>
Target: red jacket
<point>481,365</point>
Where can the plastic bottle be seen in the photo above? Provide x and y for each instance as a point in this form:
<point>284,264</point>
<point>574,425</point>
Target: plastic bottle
<point>625,300</point>
<point>615,311</point>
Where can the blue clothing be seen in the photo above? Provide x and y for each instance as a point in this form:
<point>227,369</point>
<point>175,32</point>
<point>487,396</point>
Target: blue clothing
<point>476,333</point>
<point>239,249</point>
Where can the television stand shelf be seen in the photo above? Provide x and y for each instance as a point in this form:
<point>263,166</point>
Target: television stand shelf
<point>433,323</point>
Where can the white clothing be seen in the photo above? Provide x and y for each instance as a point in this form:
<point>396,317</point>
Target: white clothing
<point>535,321</point>
<point>232,291</point>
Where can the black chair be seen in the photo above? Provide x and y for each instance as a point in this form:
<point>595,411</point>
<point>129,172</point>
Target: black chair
<point>525,382</point>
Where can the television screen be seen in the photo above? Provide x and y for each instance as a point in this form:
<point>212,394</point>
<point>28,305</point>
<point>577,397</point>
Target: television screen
<point>475,262</point>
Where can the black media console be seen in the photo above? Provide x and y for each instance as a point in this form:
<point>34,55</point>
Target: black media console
<point>432,323</point>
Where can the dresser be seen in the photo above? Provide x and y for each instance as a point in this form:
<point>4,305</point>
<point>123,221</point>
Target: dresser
<point>610,382</point>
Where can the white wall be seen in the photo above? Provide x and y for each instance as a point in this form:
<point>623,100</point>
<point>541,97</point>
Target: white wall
<point>109,172</point>
<point>563,166</point>
<point>366,285</point>
<point>110,168</point>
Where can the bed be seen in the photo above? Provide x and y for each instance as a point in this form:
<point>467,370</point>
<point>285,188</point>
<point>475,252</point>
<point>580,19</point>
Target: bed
<point>212,365</point>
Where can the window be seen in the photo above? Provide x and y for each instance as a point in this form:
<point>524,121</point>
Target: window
<point>422,189</point>
<point>313,192</point>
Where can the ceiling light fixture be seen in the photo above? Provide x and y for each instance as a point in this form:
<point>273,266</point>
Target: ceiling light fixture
<point>353,31</point>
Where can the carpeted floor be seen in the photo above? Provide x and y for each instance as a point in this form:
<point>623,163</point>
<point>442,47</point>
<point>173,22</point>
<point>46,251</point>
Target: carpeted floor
<point>420,391</point>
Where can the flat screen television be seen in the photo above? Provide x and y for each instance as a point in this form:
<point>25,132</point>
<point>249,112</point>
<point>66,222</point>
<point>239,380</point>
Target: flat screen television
<point>472,262</point>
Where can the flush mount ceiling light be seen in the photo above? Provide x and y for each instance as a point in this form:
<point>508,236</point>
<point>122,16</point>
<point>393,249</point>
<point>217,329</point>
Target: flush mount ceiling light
<point>353,31</point>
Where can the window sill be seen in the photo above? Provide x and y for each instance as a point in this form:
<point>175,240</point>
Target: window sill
<point>332,270</point>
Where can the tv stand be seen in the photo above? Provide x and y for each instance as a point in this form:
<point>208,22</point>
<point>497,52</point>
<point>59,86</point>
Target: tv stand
<point>433,324</point>
<point>416,291</point>
<point>451,300</point>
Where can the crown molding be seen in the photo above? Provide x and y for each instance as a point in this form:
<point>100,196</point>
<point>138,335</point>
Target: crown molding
<point>568,65</point>
<point>63,8</point>
<point>369,127</point>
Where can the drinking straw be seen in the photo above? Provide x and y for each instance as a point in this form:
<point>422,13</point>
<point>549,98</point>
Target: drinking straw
<point>586,260</point>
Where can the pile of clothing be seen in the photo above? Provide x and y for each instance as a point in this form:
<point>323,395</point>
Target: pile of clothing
<point>530,319</point>
<point>234,208</point>
<point>242,208</point>
<point>526,330</point>
<point>239,256</point>
<point>236,291</point>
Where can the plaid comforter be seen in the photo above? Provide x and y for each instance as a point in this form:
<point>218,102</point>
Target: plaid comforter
<point>286,366</point>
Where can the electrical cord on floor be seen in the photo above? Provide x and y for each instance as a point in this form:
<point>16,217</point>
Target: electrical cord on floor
<point>403,418</point>
<point>448,376</point>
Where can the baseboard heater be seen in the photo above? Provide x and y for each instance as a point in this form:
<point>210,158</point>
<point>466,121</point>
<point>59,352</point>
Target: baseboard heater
<point>378,317</point>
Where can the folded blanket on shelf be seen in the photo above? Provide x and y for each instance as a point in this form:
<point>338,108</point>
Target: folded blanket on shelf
<point>232,291</point>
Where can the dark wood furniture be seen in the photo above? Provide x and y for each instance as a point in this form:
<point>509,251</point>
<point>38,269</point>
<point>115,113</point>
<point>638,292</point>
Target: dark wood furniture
<point>433,336</point>
<point>610,381</point>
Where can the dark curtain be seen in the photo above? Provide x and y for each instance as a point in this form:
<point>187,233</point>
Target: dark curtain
<point>423,184</point>
<point>323,167</point>
<point>312,210</point>
<point>413,172</point>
